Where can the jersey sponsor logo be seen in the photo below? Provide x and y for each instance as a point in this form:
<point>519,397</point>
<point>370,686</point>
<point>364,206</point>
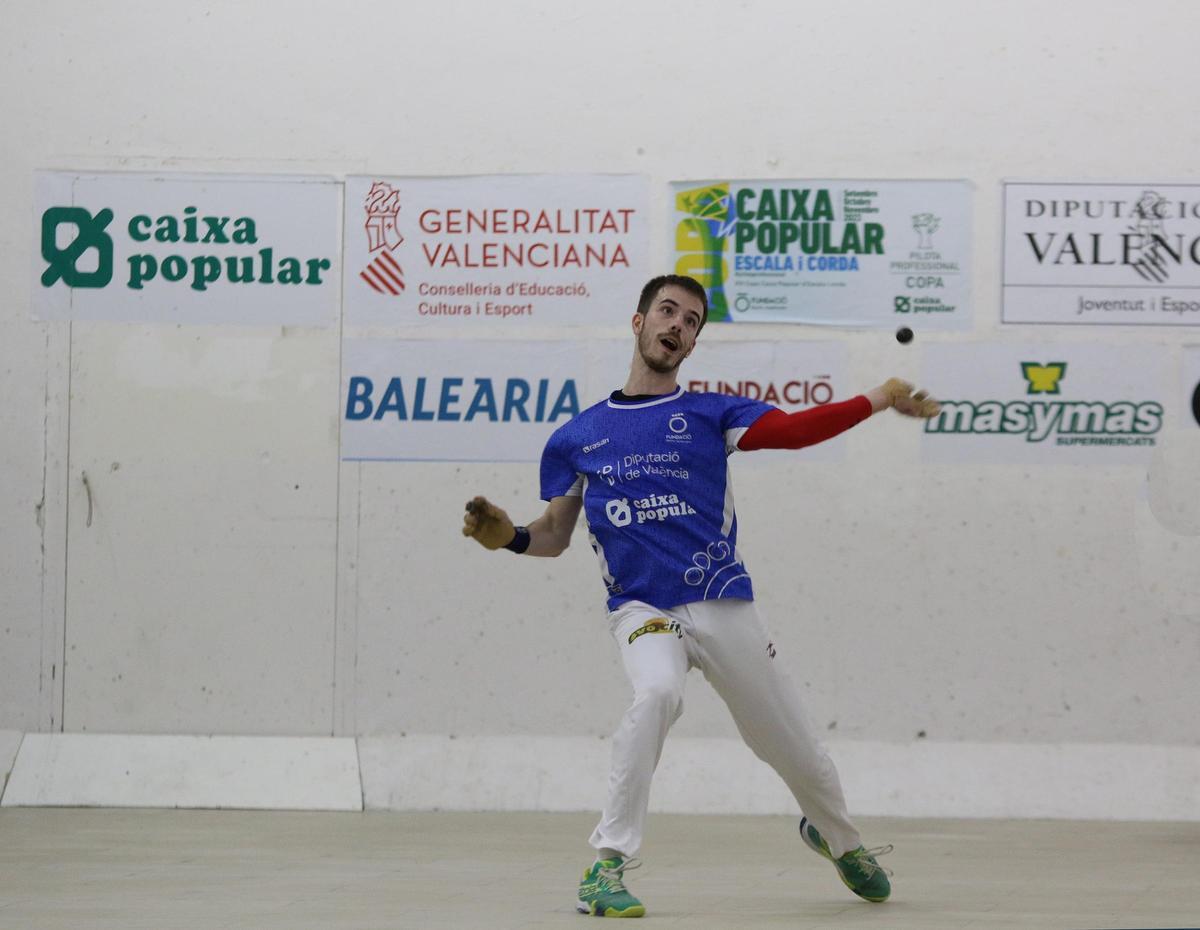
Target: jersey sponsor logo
<point>595,445</point>
<point>678,426</point>
<point>632,467</point>
<point>655,508</point>
<point>657,625</point>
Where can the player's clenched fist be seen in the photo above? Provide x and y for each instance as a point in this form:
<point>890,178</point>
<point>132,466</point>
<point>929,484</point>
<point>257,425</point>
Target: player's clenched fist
<point>900,395</point>
<point>487,524</point>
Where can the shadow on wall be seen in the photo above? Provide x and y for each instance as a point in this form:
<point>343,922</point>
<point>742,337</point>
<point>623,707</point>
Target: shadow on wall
<point>1168,524</point>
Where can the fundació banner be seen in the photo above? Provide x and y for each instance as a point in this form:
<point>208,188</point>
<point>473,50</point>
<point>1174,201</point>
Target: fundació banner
<point>1045,403</point>
<point>179,248</point>
<point>1109,254</point>
<point>834,253</point>
<point>505,249</point>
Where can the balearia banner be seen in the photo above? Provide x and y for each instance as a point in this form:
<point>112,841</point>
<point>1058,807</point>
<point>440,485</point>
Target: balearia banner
<point>177,248</point>
<point>1114,254</point>
<point>1045,403</point>
<point>835,253</point>
<point>457,400</point>
<point>793,375</point>
<point>477,251</point>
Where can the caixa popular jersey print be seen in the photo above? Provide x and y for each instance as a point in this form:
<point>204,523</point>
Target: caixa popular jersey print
<point>654,476</point>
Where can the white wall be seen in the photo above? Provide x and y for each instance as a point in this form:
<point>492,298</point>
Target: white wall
<point>994,604</point>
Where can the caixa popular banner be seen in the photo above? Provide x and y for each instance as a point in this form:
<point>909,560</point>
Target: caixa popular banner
<point>494,251</point>
<point>176,248</point>
<point>831,253</point>
<point>1046,403</point>
<point>457,400</point>
<point>1106,254</point>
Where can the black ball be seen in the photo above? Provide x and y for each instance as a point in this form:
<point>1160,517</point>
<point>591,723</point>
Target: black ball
<point>904,335</point>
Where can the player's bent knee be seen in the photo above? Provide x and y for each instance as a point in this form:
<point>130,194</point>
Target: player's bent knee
<point>662,697</point>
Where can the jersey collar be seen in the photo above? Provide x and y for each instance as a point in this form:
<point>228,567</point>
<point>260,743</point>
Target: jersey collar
<point>638,404</point>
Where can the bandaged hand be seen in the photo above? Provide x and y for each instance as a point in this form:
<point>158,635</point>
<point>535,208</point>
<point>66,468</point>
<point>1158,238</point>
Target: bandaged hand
<point>487,524</point>
<point>900,395</point>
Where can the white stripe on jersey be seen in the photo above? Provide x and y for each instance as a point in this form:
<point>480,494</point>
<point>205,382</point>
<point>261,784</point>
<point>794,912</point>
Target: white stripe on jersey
<point>609,580</point>
<point>727,516</point>
<point>733,437</point>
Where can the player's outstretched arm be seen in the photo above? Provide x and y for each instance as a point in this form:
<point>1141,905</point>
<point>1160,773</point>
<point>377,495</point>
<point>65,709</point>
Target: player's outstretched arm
<point>548,535</point>
<point>778,430</point>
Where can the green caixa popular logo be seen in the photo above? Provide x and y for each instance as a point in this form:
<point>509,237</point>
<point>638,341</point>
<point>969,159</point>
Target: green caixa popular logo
<point>62,263</point>
<point>187,248</point>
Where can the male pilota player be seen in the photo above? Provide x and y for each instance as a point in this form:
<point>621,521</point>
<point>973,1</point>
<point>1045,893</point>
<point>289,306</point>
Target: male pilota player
<point>665,533</point>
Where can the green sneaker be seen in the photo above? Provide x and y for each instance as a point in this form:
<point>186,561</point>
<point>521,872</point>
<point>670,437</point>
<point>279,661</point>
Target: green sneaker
<point>857,868</point>
<point>602,893</point>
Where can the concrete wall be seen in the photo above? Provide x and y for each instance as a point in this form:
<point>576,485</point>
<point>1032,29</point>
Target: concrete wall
<point>237,579</point>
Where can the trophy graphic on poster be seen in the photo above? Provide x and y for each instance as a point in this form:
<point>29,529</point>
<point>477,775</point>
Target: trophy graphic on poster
<point>925,224</point>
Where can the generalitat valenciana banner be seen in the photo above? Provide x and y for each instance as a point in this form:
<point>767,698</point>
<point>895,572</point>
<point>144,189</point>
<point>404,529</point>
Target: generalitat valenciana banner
<point>500,251</point>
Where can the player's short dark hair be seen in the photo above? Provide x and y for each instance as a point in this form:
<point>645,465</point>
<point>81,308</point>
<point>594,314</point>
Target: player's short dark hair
<point>691,285</point>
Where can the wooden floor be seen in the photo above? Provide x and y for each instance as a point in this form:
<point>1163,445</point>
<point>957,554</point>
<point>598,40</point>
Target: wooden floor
<point>174,870</point>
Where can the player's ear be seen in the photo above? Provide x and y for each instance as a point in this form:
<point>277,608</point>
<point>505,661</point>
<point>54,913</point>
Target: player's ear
<point>639,321</point>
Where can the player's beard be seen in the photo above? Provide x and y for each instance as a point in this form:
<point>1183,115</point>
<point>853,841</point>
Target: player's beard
<point>646,346</point>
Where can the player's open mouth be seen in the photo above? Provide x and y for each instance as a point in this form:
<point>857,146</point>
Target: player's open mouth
<point>669,342</point>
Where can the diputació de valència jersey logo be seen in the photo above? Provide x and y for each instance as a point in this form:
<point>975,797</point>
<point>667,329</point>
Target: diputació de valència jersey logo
<point>827,252</point>
<point>1077,403</point>
<point>259,250</point>
<point>1101,253</point>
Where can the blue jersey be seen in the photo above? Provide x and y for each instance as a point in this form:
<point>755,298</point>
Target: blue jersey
<point>654,475</point>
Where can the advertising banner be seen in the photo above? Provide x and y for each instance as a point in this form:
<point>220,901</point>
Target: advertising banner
<point>456,400</point>
<point>1046,403</point>
<point>1102,254</point>
<point>167,248</point>
<point>502,250</point>
<point>826,252</point>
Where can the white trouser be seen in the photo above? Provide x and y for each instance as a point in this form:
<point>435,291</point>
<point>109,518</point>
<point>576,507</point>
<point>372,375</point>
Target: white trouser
<point>726,640</point>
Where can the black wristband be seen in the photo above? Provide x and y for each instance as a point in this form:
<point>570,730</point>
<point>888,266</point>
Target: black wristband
<point>520,542</point>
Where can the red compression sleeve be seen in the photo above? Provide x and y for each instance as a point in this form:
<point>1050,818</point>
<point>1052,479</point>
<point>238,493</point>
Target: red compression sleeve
<point>778,430</point>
